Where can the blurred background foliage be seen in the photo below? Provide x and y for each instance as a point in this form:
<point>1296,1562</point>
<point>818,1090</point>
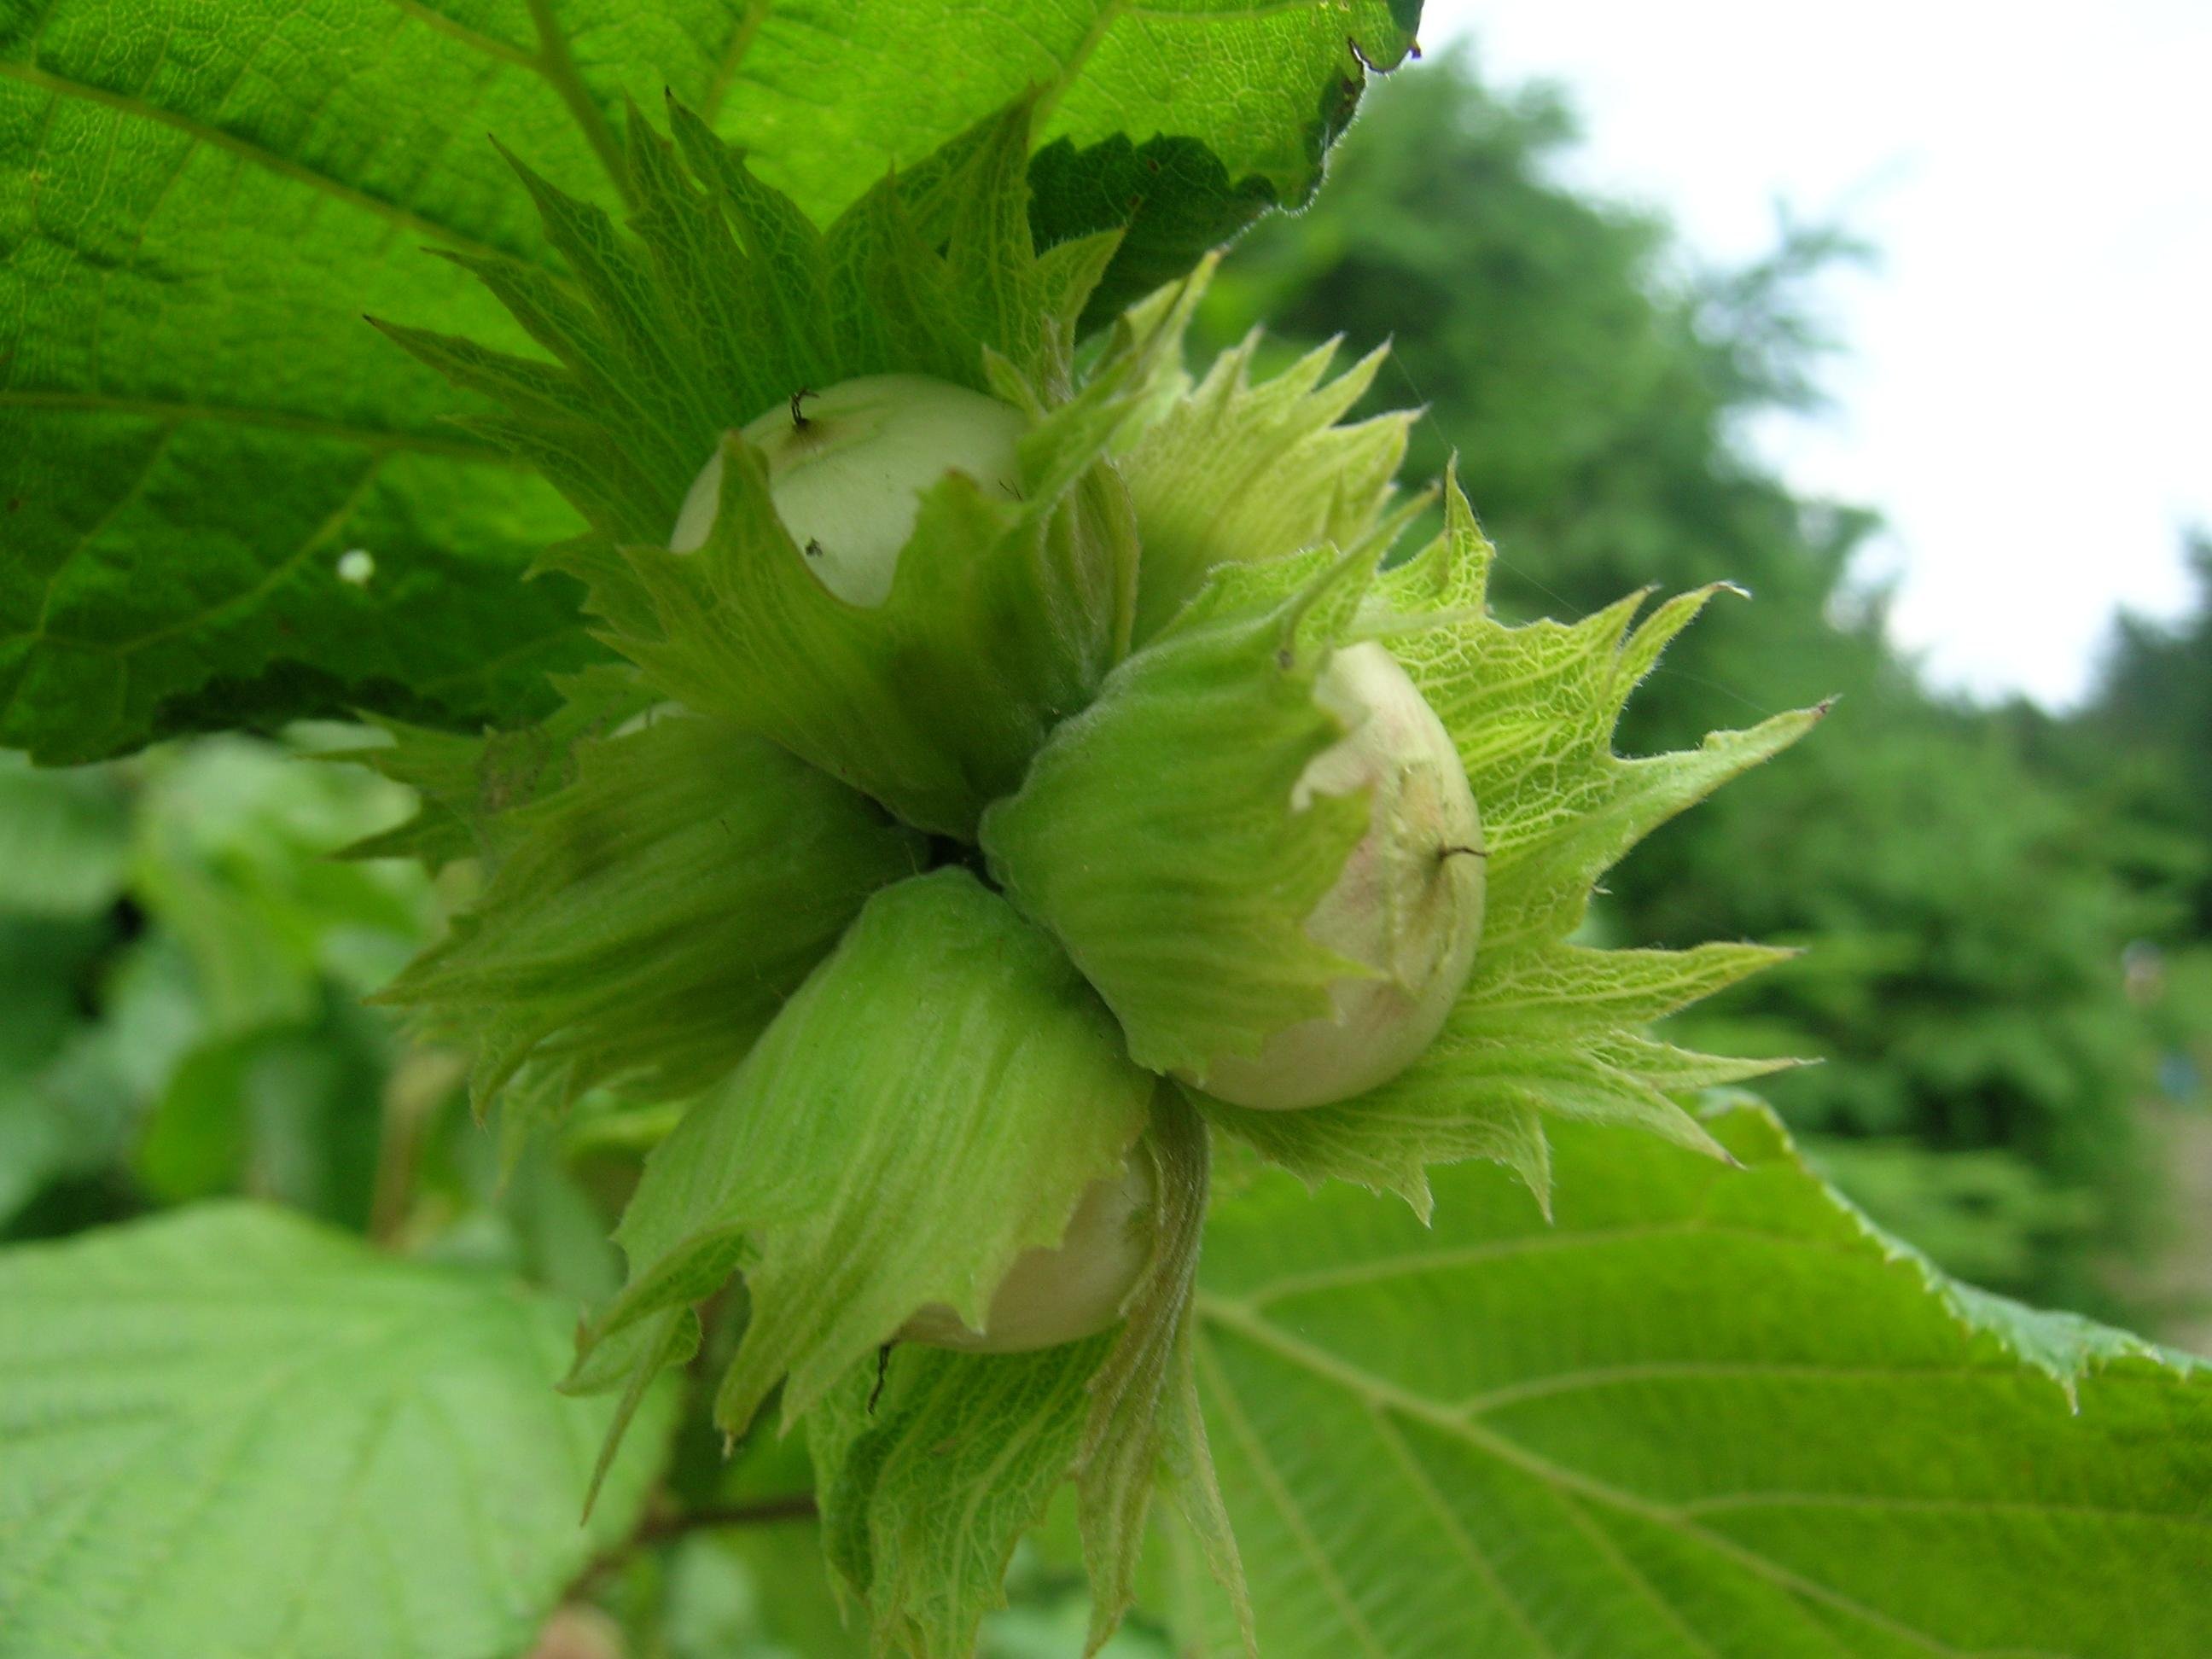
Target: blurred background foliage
<point>2008,914</point>
<point>2008,947</point>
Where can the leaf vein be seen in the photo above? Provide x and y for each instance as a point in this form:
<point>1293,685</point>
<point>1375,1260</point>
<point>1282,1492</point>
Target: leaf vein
<point>1414,1262</point>
<point>1638,1580</point>
<point>490,46</point>
<point>1425,1484</point>
<point>1102,23</point>
<point>734,50</point>
<point>159,409</point>
<point>1746,1500</point>
<point>1599,1376</point>
<point>556,66</point>
<point>1366,1386</point>
<point>123,502</point>
<point>248,151</point>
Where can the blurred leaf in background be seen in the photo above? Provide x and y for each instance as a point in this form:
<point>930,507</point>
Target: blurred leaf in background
<point>190,964</point>
<point>231,1395</point>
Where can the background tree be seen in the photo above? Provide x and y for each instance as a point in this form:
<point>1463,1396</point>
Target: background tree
<point>1965,885</point>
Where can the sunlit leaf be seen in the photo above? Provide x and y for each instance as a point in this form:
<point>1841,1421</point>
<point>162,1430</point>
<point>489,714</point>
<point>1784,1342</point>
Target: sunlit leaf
<point>227,1431</point>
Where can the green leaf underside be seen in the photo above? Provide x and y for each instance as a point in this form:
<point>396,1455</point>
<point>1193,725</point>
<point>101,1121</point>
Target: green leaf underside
<point>198,209</point>
<point>932,1101</point>
<point>1704,1412</point>
<point>647,920</point>
<point>228,1431</point>
<point>1545,1028</point>
<point>1155,836</point>
<point>926,1492</point>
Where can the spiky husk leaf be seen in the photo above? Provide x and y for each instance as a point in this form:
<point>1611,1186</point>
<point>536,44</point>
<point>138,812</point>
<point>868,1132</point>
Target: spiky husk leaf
<point>941,1090</point>
<point>468,789</point>
<point>1232,469</point>
<point>1156,836</point>
<point>931,1466</point>
<point>1543,1027</point>
<point>1002,619</point>
<point>933,1102</point>
<point>646,920</point>
<point>1143,1430</point>
<point>724,303</point>
<point>926,1487</point>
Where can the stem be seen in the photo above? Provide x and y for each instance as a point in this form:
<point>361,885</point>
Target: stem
<point>660,1528</point>
<point>417,1086</point>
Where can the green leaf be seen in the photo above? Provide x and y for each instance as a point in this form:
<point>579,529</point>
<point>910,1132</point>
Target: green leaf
<point>1545,1030</point>
<point>197,209</point>
<point>73,1110</point>
<point>762,1589</point>
<point>232,836</point>
<point>45,963</point>
<point>933,1102</point>
<point>1173,200</point>
<point>1708,1411</point>
<point>227,1431</point>
<point>647,920</point>
<point>289,1113</point>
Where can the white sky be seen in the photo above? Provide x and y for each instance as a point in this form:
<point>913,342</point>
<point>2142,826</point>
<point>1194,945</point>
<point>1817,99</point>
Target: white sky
<point>2026,391</point>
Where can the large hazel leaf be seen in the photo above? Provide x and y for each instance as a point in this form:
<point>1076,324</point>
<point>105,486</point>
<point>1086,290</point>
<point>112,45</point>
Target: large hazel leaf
<point>199,197</point>
<point>1708,1412</point>
<point>227,1431</point>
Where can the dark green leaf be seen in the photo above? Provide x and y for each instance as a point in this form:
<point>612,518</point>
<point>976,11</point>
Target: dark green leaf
<point>196,428</point>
